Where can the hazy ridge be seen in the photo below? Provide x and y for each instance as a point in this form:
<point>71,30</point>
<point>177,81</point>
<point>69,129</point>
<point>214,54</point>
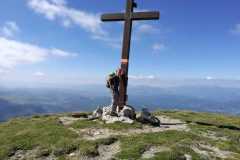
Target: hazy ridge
<point>29,101</point>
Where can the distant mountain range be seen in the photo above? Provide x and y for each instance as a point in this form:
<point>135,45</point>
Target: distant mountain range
<point>29,101</point>
<point>9,110</point>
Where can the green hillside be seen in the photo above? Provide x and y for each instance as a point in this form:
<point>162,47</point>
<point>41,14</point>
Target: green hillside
<point>199,136</point>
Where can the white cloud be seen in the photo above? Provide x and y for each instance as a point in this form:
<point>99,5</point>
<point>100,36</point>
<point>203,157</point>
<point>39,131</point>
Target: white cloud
<point>13,53</point>
<point>9,29</point>
<point>158,47</point>
<point>59,2</point>
<point>39,74</point>
<point>142,29</point>
<point>58,10</point>
<point>141,77</point>
<point>61,53</point>
<point>111,41</point>
<point>146,28</point>
<point>236,29</point>
<point>209,78</point>
<point>2,71</point>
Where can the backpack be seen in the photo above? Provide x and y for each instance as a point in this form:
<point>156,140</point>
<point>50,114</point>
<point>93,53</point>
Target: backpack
<point>110,80</point>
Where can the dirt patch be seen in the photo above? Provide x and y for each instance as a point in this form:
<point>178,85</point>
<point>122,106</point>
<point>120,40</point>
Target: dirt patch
<point>151,151</point>
<point>30,154</point>
<point>97,133</point>
<point>105,152</point>
<point>212,152</point>
<point>170,121</point>
<point>69,120</point>
<point>213,135</point>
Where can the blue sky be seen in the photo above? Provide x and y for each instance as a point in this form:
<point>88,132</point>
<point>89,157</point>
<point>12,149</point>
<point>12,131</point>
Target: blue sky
<point>63,42</point>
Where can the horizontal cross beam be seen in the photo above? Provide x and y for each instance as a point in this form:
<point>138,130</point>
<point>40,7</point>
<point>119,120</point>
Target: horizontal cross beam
<point>145,15</point>
<point>134,16</point>
<point>113,17</point>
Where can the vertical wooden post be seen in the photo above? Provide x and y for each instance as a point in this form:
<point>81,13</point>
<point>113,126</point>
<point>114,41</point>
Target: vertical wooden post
<point>125,53</point>
<point>128,17</point>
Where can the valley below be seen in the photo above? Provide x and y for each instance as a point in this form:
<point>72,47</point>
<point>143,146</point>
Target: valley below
<point>17,102</point>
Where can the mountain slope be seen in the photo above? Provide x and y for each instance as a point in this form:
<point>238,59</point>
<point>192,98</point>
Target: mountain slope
<point>203,136</point>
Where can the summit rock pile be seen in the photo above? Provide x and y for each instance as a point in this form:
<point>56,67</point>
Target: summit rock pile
<point>126,115</point>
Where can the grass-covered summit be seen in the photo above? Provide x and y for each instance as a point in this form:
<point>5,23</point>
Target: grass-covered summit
<point>196,136</point>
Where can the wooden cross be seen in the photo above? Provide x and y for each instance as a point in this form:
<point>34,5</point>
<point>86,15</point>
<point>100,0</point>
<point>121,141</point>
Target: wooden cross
<point>128,17</point>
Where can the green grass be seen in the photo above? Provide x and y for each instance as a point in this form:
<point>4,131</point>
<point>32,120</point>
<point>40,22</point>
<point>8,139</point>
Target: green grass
<point>25,134</point>
<point>178,142</point>
<point>232,142</point>
<point>46,133</point>
<point>208,118</point>
<point>43,132</point>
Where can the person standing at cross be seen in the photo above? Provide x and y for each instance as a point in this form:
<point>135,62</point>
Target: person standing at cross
<point>113,82</point>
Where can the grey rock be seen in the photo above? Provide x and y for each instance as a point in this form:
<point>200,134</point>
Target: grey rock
<point>96,114</point>
<point>188,157</point>
<point>148,118</point>
<point>107,110</point>
<point>124,116</point>
<point>112,119</point>
<point>128,112</point>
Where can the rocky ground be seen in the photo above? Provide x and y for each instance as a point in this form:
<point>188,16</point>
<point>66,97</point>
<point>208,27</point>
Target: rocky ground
<point>182,135</point>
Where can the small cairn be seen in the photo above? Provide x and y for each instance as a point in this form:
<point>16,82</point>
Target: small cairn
<point>126,115</point>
